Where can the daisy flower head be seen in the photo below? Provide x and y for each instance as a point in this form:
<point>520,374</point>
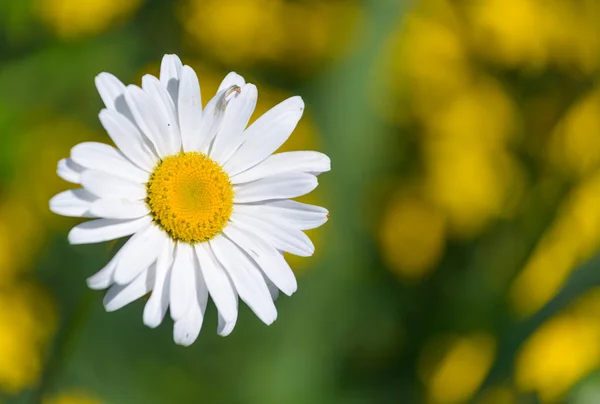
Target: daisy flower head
<point>206,203</point>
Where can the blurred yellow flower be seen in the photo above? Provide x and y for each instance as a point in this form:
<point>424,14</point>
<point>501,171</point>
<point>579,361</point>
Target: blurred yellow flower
<point>453,368</point>
<point>27,321</point>
<point>562,351</point>
<point>575,144</point>
<point>572,238</point>
<point>74,18</point>
<point>498,395</point>
<point>413,236</point>
<point>74,397</point>
<point>295,35</point>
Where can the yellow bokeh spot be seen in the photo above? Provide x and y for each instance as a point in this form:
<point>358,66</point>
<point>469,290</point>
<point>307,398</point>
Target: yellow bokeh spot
<point>452,369</point>
<point>572,238</point>
<point>74,18</point>
<point>190,197</point>
<point>498,395</point>
<point>27,321</point>
<point>72,398</point>
<point>562,351</point>
<point>413,235</point>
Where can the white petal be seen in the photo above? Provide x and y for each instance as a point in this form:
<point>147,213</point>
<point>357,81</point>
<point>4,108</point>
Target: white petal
<point>105,158</point>
<point>237,115</point>
<point>270,261</point>
<point>266,135</point>
<point>301,161</point>
<point>70,171</point>
<point>151,123</point>
<point>110,88</point>
<point>219,286</point>
<point>104,277</point>
<point>246,278</point>
<point>128,139</point>
<point>110,187</point>
<point>187,328</point>
<point>158,303</point>
<point>119,209</point>
<point>280,186</point>
<point>166,108</point>
<point>138,253</point>
<point>100,230</point>
<point>272,288</point>
<point>224,328</point>
<point>300,215</point>
<point>182,293</point>
<point>281,236</point>
<point>119,296</point>
<point>190,109</point>
<point>170,69</point>
<point>232,79</point>
<point>212,117</point>
<point>74,203</point>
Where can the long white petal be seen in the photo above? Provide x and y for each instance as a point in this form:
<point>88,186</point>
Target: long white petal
<point>270,261</point>
<point>281,236</point>
<point>238,113</point>
<point>119,296</point>
<point>108,186</point>
<point>119,209</point>
<point>110,88</point>
<point>189,109</point>
<point>138,254</point>
<point>246,278</point>
<point>187,328</point>
<point>69,171</point>
<point>212,117</point>
<point>74,203</point>
<point>158,303</point>
<point>170,69</point>
<point>104,277</point>
<point>232,79</point>
<point>266,135</point>
<point>102,157</point>
<point>280,186</point>
<point>182,293</point>
<point>300,215</point>
<point>166,108</point>
<point>100,230</point>
<point>300,161</point>
<point>151,123</point>
<point>219,286</point>
<point>128,139</point>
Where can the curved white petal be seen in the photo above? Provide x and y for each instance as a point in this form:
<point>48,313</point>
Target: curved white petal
<point>237,115</point>
<point>110,88</point>
<point>104,277</point>
<point>146,116</point>
<point>119,296</point>
<point>232,79</point>
<point>219,286</point>
<point>69,171</point>
<point>280,186</point>
<point>225,328</point>
<point>140,251</point>
<point>170,69</point>
<point>189,109</point>
<point>281,236</point>
<point>105,158</point>
<point>119,209</point>
<point>128,139</point>
<point>74,203</point>
<point>246,278</point>
<point>187,328</point>
<point>166,108</point>
<point>110,187</point>
<point>158,303</point>
<point>212,117</point>
<point>270,261</point>
<point>301,161</point>
<point>100,230</point>
<point>182,293</point>
<point>266,135</point>
<point>299,215</point>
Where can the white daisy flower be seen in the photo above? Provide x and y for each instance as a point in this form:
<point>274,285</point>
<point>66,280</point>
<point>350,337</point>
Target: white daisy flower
<point>204,199</point>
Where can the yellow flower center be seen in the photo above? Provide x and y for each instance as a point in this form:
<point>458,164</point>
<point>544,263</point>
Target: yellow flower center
<point>190,197</point>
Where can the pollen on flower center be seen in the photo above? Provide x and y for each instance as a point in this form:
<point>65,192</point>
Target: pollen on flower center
<point>190,197</point>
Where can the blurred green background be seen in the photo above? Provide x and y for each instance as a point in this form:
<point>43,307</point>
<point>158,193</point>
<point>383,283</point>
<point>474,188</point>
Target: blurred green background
<point>457,266</point>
